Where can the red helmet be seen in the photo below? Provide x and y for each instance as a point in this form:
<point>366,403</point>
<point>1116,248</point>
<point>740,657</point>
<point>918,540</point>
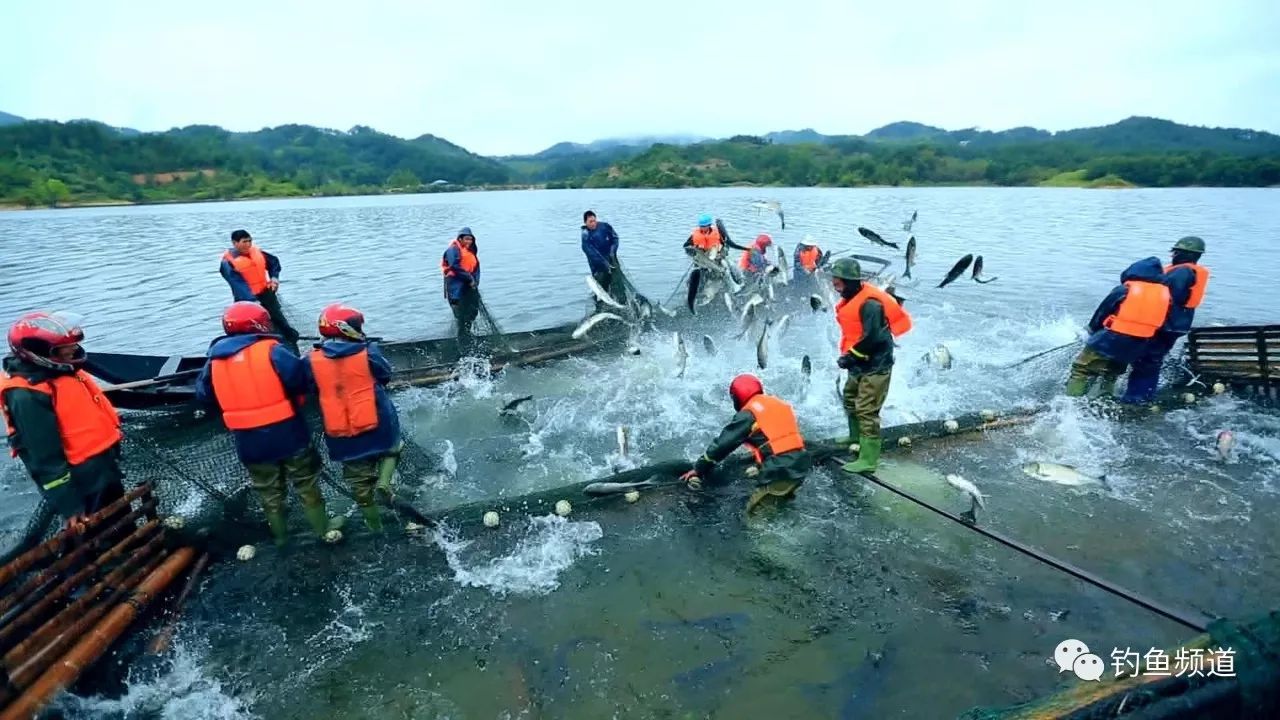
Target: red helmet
<point>246,317</point>
<point>763,241</point>
<point>37,337</point>
<point>743,388</point>
<point>341,321</point>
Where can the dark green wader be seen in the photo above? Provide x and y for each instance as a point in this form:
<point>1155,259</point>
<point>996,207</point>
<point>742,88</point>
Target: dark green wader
<point>271,480</point>
<point>1090,365</point>
<point>465,310</point>
<point>369,479</point>
<point>864,395</point>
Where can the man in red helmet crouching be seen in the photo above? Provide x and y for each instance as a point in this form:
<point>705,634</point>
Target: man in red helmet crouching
<point>259,386</point>
<point>767,427</point>
<point>58,421</point>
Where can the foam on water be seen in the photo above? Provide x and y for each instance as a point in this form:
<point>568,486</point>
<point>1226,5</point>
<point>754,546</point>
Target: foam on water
<point>548,546</point>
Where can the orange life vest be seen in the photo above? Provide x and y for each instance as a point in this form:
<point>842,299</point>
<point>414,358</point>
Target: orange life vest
<point>849,315</point>
<point>468,260</point>
<point>87,422</point>
<point>809,258</point>
<point>248,389</point>
<point>1197,290</point>
<point>1143,310</point>
<point>348,402</point>
<point>252,267</point>
<point>707,241</point>
<point>775,420</point>
<point>745,262</point>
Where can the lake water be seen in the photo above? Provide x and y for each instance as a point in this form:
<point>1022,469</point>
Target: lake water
<point>675,608</point>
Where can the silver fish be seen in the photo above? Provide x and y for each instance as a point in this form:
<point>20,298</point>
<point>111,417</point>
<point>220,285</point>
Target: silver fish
<point>1061,474</point>
<point>728,302</point>
<point>956,270</point>
<point>975,496</point>
<point>603,295</point>
<point>708,344</point>
<point>1225,444</point>
<point>780,326</point>
<point>875,238</point>
<point>906,226</point>
<point>682,355</point>
<point>806,370</point>
<point>773,206</point>
<point>666,311</point>
<point>593,321</point>
<point>816,303</point>
<point>624,440</point>
<point>750,305</point>
<point>768,288</point>
<point>782,265</point>
<point>911,256</point>
<point>977,272</point>
<point>762,346</point>
<point>510,407</point>
<point>939,357</point>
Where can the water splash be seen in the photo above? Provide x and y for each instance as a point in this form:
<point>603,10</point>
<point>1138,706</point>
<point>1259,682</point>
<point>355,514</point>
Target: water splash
<point>549,545</point>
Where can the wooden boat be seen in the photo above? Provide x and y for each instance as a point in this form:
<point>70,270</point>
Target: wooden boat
<point>140,382</point>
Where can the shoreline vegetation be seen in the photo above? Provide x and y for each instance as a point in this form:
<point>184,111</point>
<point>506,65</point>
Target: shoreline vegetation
<point>88,164</point>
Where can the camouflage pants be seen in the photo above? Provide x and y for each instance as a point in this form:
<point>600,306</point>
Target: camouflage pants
<point>1089,365</point>
<point>271,480</point>
<point>361,476</point>
<point>863,397</point>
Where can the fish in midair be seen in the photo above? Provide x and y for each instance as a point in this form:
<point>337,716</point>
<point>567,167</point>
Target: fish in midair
<point>728,302</point>
<point>911,256</point>
<point>1061,474</point>
<point>874,237</point>
<point>939,357</point>
<point>806,370</point>
<point>1226,442</point>
<point>906,226</point>
<point>666,310</point>
<point>588,324</point>
<point>695,280</point>
<point>768,290</point>
<point>762,346</point>
<point>750,305</point>
<point>975,496</point>
<point>510,407</point>
<point>826,258</point>
<point>782,265</point>
<point>603,295</point>
<point>977,271</point>
<point>816,304</point>
<point>956,270</point>
<point>773,206</point>
<point>682,355</point>
<point>708,344</point>
<point>624,440</point>
<point>780,326</point>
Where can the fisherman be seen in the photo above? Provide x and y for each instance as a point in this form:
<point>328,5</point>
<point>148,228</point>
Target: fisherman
<point>706,237</point>
<point>869,320</point>
<point>754,261</point>
<point>58,421</point>
<point>254,276</point>
<point>807,256</point>
<point>600,245</point>
<point>1187,281</point>
<point>259,387</point>
<point>461,268</point>
<point>766,426</point>
<point>1122,328</point>
<point>361,428</point>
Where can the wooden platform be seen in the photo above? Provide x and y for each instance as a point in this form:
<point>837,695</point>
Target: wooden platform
<point>1242,355</point>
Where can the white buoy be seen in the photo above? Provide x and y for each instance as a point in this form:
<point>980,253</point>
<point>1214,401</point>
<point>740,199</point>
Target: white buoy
<point>1155,408</point>
<point>1188,398</point>
<point>175,522</point>
<point>904,441</point>
<point>951,426</point>
<point>854,448</point>
<point>491,519</point>
<point>563,508</point>
<point>988,415</point>
<point>751,471</point>
<point>1219,388</point>
<point>333,536</point>
<point>632,496</point>
<point>246,553</point>
<point>411,527</point>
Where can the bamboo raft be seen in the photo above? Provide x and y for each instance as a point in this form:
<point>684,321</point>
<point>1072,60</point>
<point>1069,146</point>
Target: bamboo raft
<point>64,603</point>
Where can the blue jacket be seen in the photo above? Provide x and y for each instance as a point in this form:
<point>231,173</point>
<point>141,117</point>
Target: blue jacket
<point>757,261</point>
<point>600,246</point>
<point>1180,280</point>
<point>380,440</point>
<point>461,281</point>
<point>1117,347</point>
<point>240,288</point>
<point>271,443</point>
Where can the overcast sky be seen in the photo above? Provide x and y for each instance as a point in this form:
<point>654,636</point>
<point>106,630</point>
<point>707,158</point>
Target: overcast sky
<point>517,77</point>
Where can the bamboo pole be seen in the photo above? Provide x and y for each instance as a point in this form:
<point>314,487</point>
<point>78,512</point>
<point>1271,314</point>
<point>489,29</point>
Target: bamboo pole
<point>70,560</point>
<point>92,646</point>
<point>165,636</point>
<point>58,594</point>
<point>57,544</point>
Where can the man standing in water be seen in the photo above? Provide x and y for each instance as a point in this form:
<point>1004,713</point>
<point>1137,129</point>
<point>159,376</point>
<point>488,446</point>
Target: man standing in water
<point>600,245</point>
<point>254,276</point>
<point>1122,328</point>
<point>1187,281</point>
<point>869,320</point>
<point>461,268</point>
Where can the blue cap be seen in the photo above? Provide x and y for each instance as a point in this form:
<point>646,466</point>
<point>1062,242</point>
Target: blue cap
<point>704,220</point>
<point>466,231</point>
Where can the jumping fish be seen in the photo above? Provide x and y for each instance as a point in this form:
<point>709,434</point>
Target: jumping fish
<point>782,265</point>
<point>695,279</point>
<point>510,407</point>
<point>911,256</point>
<point>762,346</point>
<point>666,311</point>
<point>624,440</point>
<point>977,271</point>
<point>806,369</point>
<point>708,344</point>
<point>750,305</point>
<point>603,295</point>
<point>768,289</point>
<point>906,226</point>
<point>875,238</point>
<point>939,357</point>
<point>773,206</point>
<point>816,304</point>
<point>682,355</point>
<point>956,270</point>
<point>1061,474</point>
<point>780,327</point>
<point>593,321</point>
<point>1225,444</point>
<point>975,496</point>
<point>728,302</point>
